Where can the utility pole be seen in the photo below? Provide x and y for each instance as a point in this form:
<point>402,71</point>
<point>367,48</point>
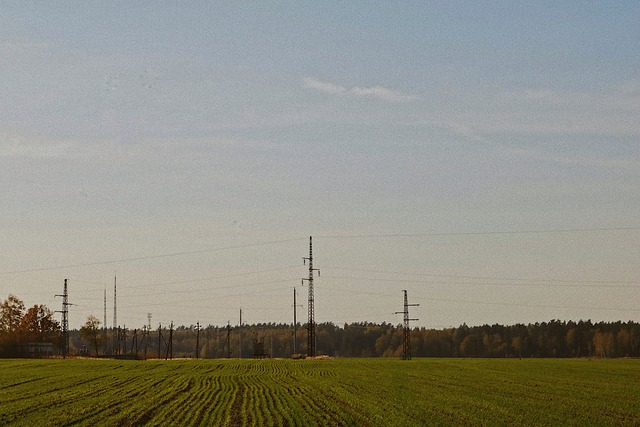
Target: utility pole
<point>145,338</point>
<point>197,339</point>
<point>104,324</point>
<point>124,339</point>
<point>171,341</point>
<point>159,339</point>
<point>228,340</point>
<point>169,350</point>
<point>134,343</point>
<point>311,323</point>
<point>406,330</point>
<point>65,320</point>
<point>240,332</point>
<point>295,322</point>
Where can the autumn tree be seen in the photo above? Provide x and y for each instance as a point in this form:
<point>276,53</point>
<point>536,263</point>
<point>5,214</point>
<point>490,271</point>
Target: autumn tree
<point>38,325</point>
<point>470,346</point>
<point>623,342</point>
<point>91,333</point>
<point>603,343</point>
<point>11,312</point>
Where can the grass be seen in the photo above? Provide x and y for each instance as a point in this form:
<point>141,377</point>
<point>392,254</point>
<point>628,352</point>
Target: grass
<point>358,392</point>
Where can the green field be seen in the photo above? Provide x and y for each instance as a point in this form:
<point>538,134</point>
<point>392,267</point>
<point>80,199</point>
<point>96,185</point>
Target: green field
<point>359,392</point>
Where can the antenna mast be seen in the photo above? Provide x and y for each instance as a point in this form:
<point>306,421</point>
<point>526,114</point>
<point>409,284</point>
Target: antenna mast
<point>115,330</point>
<point>104,324</point>
<point>311,323</point>
<point>115,306</point>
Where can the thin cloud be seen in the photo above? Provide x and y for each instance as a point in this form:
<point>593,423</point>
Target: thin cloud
<point>323,86</point>
<point>377,92</point>
<point>382,93</point>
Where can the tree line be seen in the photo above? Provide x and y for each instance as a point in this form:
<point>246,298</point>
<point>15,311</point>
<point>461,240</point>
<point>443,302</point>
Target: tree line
<point>21,327</point>
<point>546,339</point>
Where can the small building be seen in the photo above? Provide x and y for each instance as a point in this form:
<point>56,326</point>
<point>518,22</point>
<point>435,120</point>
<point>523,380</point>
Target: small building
<point>258,349</point>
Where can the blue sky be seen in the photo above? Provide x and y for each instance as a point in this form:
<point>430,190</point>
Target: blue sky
<point>200,145</point>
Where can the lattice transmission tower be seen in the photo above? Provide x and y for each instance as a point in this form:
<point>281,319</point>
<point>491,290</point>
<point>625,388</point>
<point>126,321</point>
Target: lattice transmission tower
<point>311,323</point>
<point>65,320</point>
<point>406,330</point>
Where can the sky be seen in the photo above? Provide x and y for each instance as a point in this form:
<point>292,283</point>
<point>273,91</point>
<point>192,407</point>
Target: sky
<point>483,156</point>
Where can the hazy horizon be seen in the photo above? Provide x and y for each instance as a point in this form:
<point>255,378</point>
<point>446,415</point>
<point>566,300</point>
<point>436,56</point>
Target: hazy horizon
<point>483,156</point>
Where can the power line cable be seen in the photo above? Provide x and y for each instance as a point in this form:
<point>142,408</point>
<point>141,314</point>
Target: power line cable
<point>144,258</point>
<point>564,307</point>
<point>203,279</point>
<point>457,301</point>
<point>486,278</point>
<point>478,233</point>
<point>189,291</point>
<point>519,285</point>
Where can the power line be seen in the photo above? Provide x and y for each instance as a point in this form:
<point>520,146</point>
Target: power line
<point>357,236</point>
<point>188,303</point>
<point>190,291</point>
<point>204,279</point>
<point>143,258</point>
<point>478,233</point>
<point>485,277</point>
<point>359,292</point>
<point>519,285</point>
<point>564,307</point>
<point>457,301</point>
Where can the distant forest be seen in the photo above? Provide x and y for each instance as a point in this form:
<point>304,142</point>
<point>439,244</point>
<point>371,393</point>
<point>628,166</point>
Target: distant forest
<point>21,328</point>
<point>547,339</point>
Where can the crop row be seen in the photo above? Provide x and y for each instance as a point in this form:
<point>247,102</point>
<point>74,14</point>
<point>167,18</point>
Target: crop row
<point>361,392</point>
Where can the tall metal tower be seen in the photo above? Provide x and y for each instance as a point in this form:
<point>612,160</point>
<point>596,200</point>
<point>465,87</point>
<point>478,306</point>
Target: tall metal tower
<point>311,323</point>
<point>104,325</point>
<point>115,330</point>
<point>115,304</point>
<point>406,330</point>
<point>65,320</point>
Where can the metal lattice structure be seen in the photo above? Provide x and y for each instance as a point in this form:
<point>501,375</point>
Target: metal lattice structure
<point>311,323</point>
<point>65,320</point>
<point>115,317</point>
<point>406,330</point>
